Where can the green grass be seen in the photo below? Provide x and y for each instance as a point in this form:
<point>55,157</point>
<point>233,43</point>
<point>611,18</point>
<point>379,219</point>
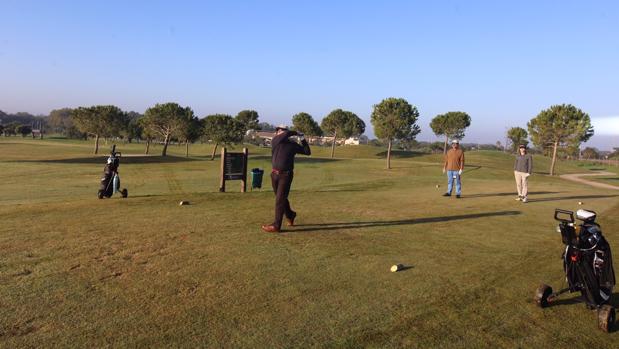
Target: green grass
<point>76,271</point>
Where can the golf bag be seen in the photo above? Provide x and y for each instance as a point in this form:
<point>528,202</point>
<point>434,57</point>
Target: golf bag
<point>587,260</point>
<point>110,182</point>
<point>588,266</point>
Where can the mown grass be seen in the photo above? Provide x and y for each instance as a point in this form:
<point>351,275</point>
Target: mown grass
<point>76,271</point>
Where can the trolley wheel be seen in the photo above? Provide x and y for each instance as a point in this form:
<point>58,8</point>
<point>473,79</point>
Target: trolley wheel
<point>541,295</point>
<point>124,193</point>
<point>606,318</point>
<point>100,194</point>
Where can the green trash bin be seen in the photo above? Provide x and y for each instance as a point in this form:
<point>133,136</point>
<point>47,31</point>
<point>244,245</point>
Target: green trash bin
<point>256,178</point>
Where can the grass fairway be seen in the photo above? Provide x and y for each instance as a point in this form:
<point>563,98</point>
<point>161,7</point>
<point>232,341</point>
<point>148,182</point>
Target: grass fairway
<point>76,271</point>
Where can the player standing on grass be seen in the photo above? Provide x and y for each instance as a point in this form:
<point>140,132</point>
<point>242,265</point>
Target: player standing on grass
<point>283,150</point>
<point>522,170</point>
<point>454,164</point>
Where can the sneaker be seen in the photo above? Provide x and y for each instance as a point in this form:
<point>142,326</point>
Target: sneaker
<point>524,199</point>
<point>457,196</point>
<point>518,198</point>
<point>446,194</point>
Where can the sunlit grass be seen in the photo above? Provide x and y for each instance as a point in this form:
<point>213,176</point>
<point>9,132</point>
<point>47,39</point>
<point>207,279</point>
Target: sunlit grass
<point>76,271</point>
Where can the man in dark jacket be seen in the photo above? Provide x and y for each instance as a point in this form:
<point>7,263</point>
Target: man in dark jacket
<point>522,170</point>
<point>283,150</point>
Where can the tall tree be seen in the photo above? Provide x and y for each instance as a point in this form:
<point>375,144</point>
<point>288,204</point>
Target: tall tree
<point>517,136</point>
<point>166,120</point>
<point>248,118</point>
<point>99,121</point>
<point>305,123</point>
<point>451,125</point>
<point>134,128</point>
<point>222,129</point>
<point>265,126</point>
<point>9,129</point>
<point>24,130</point>
<point>60,121</point>
<point>342,123</point>
<point>147,134</point>
<point>590,153</point>
<point>560,126</point>
<point>395,119</point>
<point>191,131</point>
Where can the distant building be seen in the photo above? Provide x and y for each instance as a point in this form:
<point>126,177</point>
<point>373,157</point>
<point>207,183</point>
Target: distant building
<point>352,141</point>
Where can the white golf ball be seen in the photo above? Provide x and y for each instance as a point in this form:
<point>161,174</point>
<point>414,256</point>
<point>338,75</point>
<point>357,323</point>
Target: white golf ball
<point>580,202</point>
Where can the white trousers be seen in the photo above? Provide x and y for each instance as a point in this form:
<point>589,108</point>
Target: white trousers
<point>521,183</point>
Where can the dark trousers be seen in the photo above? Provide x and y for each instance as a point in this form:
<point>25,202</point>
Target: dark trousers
<point>281,186</point>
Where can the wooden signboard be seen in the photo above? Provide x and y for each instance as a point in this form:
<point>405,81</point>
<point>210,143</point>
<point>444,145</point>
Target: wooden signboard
<point>233,167</point>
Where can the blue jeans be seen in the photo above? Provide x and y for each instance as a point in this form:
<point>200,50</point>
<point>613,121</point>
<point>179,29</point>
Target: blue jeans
<point>451,176</point>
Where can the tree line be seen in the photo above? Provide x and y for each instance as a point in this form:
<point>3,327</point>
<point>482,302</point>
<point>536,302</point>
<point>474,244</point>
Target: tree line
<point>559,128</point>
<point>19,123</point>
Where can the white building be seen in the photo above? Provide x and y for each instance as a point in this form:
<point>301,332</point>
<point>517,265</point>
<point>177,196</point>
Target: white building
<point>352,141</point>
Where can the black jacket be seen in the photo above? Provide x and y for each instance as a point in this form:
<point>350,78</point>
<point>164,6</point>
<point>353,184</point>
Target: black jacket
<point>283,151</point>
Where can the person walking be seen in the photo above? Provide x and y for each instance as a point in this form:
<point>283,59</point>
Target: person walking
<point>522,170</point>
<point>283,151</point>
<point>453,166</point>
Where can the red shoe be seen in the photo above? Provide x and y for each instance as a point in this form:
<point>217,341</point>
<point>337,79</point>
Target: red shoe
<point>270,228</point>
<point>290,221</point>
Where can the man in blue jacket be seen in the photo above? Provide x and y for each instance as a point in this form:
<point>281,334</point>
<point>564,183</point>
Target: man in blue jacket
<point>283,151</point>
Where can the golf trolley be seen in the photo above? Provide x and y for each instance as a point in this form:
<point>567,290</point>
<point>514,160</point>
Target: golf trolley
<point>110,182</point>
<point>588,266</point>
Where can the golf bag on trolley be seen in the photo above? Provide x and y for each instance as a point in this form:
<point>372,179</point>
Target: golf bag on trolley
<point>587,263</point>
<point>110,182</point>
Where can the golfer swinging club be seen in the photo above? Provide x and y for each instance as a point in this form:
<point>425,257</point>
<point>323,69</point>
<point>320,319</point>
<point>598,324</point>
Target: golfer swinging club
<point>283,151</point>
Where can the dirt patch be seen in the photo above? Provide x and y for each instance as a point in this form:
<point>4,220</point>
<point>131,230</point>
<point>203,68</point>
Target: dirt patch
<point>577,177</point>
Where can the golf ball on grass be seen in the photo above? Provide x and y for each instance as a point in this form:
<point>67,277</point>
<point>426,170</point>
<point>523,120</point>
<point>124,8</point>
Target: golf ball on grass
<point>396,267</point>
<point>183,203</point>
<point>438,186</point>
<point>580,202</point>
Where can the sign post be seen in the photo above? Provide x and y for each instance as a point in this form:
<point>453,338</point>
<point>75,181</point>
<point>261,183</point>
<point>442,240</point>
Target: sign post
<point>233,167</point>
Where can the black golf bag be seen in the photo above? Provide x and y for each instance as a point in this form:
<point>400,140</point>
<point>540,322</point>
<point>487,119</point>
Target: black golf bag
<point>588,266</point>
<point>110,182</point>
<point>587,260</point>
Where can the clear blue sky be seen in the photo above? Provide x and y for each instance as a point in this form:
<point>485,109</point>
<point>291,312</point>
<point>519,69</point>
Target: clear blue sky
<point>500,61</point>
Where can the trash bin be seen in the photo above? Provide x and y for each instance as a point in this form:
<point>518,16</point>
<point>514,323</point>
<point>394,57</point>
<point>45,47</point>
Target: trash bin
<point>256,178</point>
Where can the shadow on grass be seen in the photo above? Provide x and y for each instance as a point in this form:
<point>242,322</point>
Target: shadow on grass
<point>369,224</point>
<point>507,194</point>
<point>140,159</point>
<point>575,197</point>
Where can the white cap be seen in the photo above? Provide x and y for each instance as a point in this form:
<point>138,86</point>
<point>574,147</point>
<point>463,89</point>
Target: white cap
<point>281,127</point>
<point>455,141</point>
